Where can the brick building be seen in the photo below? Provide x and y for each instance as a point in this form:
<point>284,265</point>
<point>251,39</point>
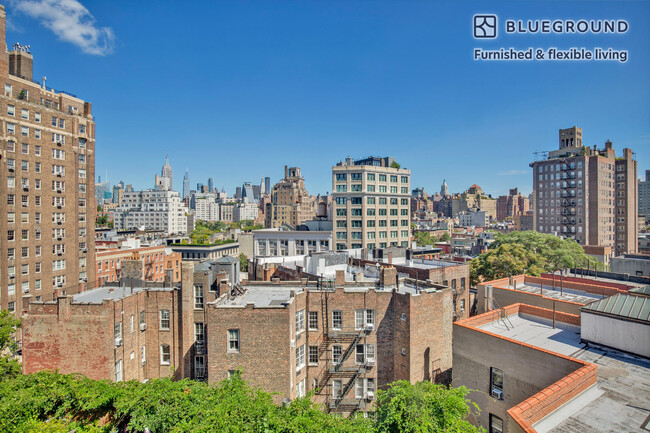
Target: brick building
<point>343,340</point>
<point>290,202</point>
<point>47,172</point>
<point>529,371</point>
<point>133,330</point>
<point>157,260</point>
<point>511,205</point>
<point>586,194</point>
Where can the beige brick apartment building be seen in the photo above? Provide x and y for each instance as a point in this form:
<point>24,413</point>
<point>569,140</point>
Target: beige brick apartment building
<point>47,172</point>
<point>371,204</point>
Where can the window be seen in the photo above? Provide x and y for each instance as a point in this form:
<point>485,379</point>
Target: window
<point>496,424</point>
<point>233,340</point>
<point>313,320</point>
<point>364,352</point>
<point>496,383</point>
<point>300,357</point>
<point>117,332</point>
<point>337,320</point>
<point>165,354</point>
<point>11,110</point>
<point>371,176</point>
<point>337,388</point>
<point>131,323</point>
<point>363,387</point>
<point>364,319</point>
<point>300,321</point>
<point>142,319</point>
<point>198,297</point>
<point>337,354</point>
<point>143,355</point>
<point>199,333</point>
<point>313,355</point>
<point>118,371</point>
<point>164,319</point>
<point>300,389</point>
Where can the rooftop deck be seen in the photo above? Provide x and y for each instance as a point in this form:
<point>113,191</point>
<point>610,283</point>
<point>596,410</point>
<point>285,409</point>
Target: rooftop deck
<point>621,400</point>
<point>570,295</point>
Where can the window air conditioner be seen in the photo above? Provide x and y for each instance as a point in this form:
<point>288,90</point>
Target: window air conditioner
<point>370,362</point>
<point>370,395</point>
<point>497,393</point>
<point>118,342</point>
<point>143,326</point>
<point>370,327</point>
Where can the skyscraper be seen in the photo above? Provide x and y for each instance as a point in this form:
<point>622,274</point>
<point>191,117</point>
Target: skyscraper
<point>166,179</point>
<point>644,196</point>
<point>47,185</point>
<point>210,184</point>
<point>587,194</point>
<point>371,204</point>
<point>267,185</point>
<point>186,184</point>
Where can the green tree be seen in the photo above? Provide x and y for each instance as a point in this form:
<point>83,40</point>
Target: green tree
<point>394,164</point>
<point>243,262</point>
<point>425,238</point>
<point>9,367</point>
<point>528,252</point>
<point>445,237</point>
<point>423,408</point>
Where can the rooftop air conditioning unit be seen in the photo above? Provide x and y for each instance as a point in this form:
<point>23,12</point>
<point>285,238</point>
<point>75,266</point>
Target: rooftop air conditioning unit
<point>143,326</point>
<point>497,393</point>
<point>118,342</point>
<point>370,395</point>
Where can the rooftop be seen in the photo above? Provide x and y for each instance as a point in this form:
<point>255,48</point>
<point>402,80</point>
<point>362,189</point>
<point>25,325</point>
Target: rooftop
<point>97,296</point>
<point>274,295</point>
<point>633,305</point>
<point>620,401</point>
<point>568,295</point>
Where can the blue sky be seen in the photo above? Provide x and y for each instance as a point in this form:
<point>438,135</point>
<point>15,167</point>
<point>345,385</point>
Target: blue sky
<point>236,90</point>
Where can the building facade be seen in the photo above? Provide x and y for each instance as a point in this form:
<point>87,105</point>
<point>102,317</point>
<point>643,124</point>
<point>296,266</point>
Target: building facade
<point>290,203</point>
<point>47,172</point>
<point>511,205</point>
<point>644,196</point>
<point>371,204</point>
<point>587,194</point>
<point>152,209</point>
<point>108,264</point>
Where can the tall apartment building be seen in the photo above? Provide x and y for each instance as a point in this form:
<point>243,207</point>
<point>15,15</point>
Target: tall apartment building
<point>47,172</point>
<point>245,211</point>
<point>511,205</point>
<point>371,204</point>
<point>473,199</point>
<point>644,196</point>
<point>290,203</point>
<point>206,207</point>
<point>151,209</point>
<point>587,194</point>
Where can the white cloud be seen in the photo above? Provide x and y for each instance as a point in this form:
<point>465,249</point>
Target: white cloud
<point>514,172</point>
<point>71,22</point>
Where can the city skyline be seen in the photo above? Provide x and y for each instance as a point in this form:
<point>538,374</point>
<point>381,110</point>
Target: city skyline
<point>388,82</point>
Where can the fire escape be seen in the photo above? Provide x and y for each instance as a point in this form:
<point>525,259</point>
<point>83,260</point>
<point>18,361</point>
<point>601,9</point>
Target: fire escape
<point>342,369</point>
<point>568,186</point>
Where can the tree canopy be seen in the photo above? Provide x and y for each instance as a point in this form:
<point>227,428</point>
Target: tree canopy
<point>52,402</point>
<point>527,252</point>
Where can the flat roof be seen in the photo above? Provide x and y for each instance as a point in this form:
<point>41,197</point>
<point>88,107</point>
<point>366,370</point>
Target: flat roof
<point>570,295</point>
<point>273,295</point>
<point>620,401</point>
<point>97,296</point>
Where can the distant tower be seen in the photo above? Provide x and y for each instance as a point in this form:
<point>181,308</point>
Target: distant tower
<point>444,190</point>
<point>210,184</point>
<point>267,185</point>
<point>166,173</point>
<point>262,187</point>
<point>186,184</point>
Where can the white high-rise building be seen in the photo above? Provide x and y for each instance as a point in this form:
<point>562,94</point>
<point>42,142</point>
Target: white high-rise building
<point>206,207</point>
<point>152,209</point>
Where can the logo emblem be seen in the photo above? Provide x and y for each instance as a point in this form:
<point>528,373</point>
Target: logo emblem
<point>485,26</point>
